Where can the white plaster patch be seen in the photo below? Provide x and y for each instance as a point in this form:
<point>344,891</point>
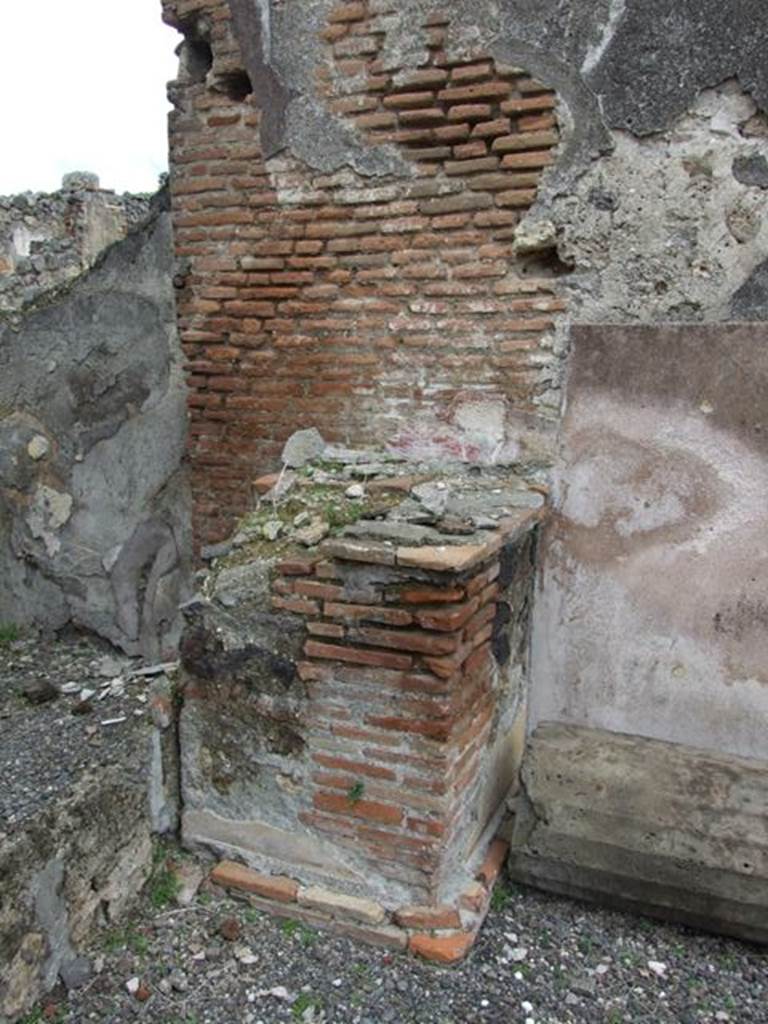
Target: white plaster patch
<point>50,510</point>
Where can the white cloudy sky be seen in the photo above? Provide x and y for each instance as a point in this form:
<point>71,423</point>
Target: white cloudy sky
<point>82,87</point>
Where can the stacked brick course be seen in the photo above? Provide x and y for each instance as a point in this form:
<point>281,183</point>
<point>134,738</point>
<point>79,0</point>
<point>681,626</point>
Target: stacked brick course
<point>341,300</point>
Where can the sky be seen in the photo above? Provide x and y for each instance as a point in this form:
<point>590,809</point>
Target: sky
<point>82,88</point>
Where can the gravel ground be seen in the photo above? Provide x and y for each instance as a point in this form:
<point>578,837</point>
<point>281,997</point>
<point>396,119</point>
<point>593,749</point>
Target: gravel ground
<point>539,959</point>
<point>46,747</point>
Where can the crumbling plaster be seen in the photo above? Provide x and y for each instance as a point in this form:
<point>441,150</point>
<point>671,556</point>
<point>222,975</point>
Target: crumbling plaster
<point>93,499</point>
<point>659,108</point>
<point>655,198</point>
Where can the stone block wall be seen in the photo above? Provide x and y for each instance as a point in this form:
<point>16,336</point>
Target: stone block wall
<point>364,278</point>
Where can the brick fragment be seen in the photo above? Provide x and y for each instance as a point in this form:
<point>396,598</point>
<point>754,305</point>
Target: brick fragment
<point>367,613</point>
<point>472,93</point>
<point>426,115</point>
<point>326,629</point>
<point>343,764</point>
<point>485,163</point>
<point>347,12</point>
<point>428,918</point>
<point>262,484</point>
<point>408,100</point>
<point>448,619</point>
<point>493,862</point>
<point>524,140</point>
<point>405,640</point>
<point>546,101</point>
<point>516,197</point>
<point>533,158</point>
<point>445,949</point>
<point>296,605</point>
<point>470,112</point>
<point>430,595</point>
<point>383,935</point>
<point>295,567</point>
<point>231,875</point>
<point>370,810</point>
<point>356,656</point>
<point>340,905</point>
<point>322,591</point>
<point>474,897</point>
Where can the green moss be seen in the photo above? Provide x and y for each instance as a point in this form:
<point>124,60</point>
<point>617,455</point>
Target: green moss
<point>9,633</point>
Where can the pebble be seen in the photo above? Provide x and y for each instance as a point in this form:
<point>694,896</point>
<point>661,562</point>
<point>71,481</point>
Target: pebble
<point>230,929</point>
<point>40,691</point>
<point>272,529</point>
<point>355,491</point>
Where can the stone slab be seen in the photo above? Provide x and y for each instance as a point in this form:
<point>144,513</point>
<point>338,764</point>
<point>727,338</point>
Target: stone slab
<point>658,828</point>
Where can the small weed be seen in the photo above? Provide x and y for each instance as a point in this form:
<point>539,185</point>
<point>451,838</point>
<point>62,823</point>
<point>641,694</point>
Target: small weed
<point>126,939</point>
<point>304,1002</point>
<point>204,898</point>
<point>51,1016</point>
<point>35,1017</point>
<point>355,792</point>
<point>307,935</point>
<point>289,926</point>
<point>251,915</point>
<point>615,1017</point>
<point>164,883</point>
<point>361,969</point>
<point>500,897</point>
<point>9,633</point>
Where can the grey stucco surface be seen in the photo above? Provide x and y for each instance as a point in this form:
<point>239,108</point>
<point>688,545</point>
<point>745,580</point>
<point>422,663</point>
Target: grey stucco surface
<point>93,499</point>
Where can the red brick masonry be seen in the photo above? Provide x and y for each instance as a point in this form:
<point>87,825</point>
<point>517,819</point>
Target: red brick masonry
<point>342,301</point>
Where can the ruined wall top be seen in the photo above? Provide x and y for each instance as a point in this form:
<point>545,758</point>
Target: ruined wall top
<point>49,238</point>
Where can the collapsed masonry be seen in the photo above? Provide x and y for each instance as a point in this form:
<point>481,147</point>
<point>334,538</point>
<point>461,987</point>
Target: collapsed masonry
<point>48,239</point>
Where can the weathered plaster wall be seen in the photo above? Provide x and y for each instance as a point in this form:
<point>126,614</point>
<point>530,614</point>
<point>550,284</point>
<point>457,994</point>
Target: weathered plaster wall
<point>651,607</point>
<point>93,498</point>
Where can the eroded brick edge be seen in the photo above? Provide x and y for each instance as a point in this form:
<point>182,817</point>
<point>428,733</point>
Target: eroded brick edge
<point>402,928</point>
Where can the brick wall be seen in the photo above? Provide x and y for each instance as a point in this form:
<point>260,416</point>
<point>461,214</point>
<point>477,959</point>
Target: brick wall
<point>342,301</point>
